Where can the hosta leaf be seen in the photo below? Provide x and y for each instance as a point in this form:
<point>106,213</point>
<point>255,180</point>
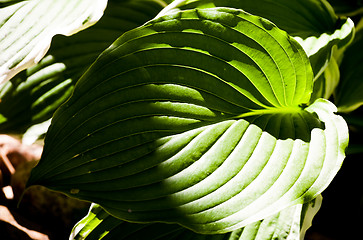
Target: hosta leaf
<point>196,118</point>
<point>33,95</point>
<point>313,23</point>
<point>26,29</point>
<point>290,223</point>
<point>349,92</point>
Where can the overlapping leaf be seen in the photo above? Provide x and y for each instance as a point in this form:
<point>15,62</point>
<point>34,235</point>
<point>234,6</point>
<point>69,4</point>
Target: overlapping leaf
<point>27,27</point>
<point>197,118</point>
<point>290,223</point>
<point>313,23</point>
<point>33,96</point>
<point>327,82</point>
<point>349,92</point>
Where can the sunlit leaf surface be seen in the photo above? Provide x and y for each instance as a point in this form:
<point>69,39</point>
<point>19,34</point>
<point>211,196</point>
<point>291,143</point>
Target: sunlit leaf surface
<point>27,27</point>
<point>312,23</point>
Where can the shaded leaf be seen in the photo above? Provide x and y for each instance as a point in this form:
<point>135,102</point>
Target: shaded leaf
<point>33,95</point>
<point>197,118</point>
<point>6,3</point>
<point>347,7</point>
<point>27,27</point>
<point>348,95</point>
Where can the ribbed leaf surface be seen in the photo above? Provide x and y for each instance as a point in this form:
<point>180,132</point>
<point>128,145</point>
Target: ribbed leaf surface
<point>312,22</point>
<point>196,118</point>
<point>26,29</point>
<point>32,96</point>
<point>287,224</point>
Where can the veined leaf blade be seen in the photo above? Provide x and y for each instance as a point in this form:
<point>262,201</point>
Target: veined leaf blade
<point>312,23</point>
<point>158,131</point>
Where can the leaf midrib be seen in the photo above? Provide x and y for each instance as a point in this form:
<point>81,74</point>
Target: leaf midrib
<point>267,111</point>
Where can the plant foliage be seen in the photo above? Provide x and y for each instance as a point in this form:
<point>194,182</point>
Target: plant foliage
<point>216,117</point>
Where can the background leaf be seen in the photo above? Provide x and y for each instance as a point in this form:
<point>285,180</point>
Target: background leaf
<point>33,95</point>
<point>196,118</point>
<point>347,7</point>
<point>325,85</point>
<point>348,95</point>
<point>26,29</point>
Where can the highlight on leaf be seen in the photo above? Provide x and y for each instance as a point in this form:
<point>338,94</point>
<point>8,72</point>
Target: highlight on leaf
<point>312,23</point>
<point>27,28</point>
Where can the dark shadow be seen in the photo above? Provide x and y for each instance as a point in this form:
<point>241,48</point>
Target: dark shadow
<point>9,232</point>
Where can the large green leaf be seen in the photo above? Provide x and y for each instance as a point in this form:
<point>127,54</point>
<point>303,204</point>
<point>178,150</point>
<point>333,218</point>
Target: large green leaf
<point>312,23</point>
<point>197,118</point>
<point>33,95</point>
<point>27,27</point>
<point>290,223</point>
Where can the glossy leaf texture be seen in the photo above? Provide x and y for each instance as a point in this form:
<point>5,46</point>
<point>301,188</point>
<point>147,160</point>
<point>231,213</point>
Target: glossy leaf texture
<point>312,23</point>
<point>288,224</point>
<point>27,27</point>
<point>33,95</point>
<point>348,95</point>
<point>197,118</point>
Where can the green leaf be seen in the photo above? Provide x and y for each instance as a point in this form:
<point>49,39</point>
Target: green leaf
<point>290,223</point>
<point>33,95</point>
<point>348,95</point>
<point>27,27</point>
<point>197,118</point>
<point>312,23</point>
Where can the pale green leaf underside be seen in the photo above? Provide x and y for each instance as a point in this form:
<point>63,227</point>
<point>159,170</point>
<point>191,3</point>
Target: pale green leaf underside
<point>319,49</point>
<point>26,29</point>
<point>33,95</point>
<point>195,118</point>
<point>287,224</point>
